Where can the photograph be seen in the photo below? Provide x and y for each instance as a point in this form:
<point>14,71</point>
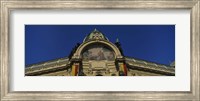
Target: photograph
<point>99,50</point>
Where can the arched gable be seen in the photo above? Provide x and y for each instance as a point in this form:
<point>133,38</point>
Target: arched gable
<point>104,42</point>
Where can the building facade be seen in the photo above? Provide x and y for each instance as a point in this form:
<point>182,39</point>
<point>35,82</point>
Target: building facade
<point>97,56</point>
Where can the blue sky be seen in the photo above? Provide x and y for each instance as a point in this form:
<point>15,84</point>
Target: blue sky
<point>155,43</point>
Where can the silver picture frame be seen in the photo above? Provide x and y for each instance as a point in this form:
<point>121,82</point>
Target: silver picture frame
<point>6,6</point>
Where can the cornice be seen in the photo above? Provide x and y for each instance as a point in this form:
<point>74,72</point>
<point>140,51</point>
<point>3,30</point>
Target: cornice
<point>59,63</point>
<point>150,65</point>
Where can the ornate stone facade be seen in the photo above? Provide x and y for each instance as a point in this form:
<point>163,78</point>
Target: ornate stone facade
<point>97,56</point>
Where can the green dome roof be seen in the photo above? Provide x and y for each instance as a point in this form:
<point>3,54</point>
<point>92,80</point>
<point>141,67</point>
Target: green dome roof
<point>95,35</point>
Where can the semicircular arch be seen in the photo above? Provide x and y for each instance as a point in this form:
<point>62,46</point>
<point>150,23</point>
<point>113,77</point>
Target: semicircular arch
<point>108,44</point>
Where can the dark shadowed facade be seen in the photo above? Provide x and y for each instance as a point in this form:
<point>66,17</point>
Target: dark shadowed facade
<point>97,56</point>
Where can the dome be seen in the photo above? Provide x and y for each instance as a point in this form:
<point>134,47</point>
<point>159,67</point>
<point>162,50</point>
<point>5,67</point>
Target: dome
<point>95,35</point>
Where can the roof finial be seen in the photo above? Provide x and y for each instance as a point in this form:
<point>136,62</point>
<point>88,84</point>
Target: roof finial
<point>117,40</point>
